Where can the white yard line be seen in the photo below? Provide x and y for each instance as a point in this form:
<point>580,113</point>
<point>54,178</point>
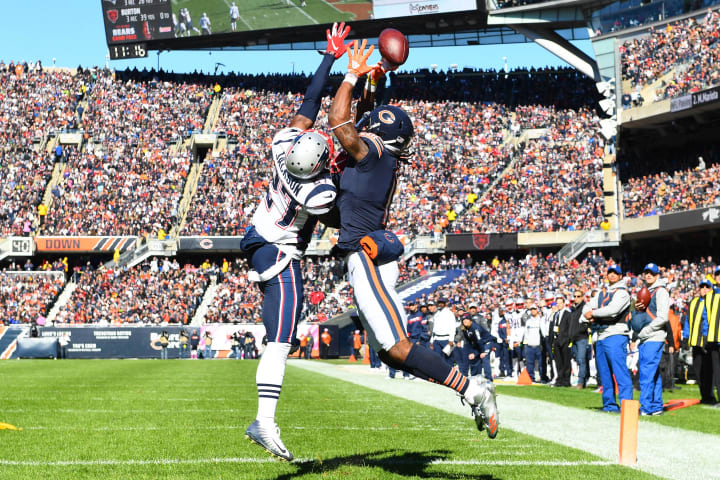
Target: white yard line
<point>300,9</point>
<point>663,451</point>
<point>240,460</point>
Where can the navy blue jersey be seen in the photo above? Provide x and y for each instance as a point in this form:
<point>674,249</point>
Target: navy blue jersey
<point>417,328</point>
<point>366,190</point>
<point>478,338</point>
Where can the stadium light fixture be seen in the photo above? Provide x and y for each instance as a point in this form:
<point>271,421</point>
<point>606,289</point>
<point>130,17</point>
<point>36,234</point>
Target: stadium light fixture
<point>608,105</point>
<point>608,128</point>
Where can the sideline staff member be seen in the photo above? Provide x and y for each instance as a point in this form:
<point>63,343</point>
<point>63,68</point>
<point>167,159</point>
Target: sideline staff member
<point>605,313</point>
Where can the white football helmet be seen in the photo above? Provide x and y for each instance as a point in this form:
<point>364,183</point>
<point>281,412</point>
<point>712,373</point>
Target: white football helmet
<point>309,154</point>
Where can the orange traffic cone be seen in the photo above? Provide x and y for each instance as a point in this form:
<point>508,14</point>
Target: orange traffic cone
<point>524,378</point>
<point>352,358</point>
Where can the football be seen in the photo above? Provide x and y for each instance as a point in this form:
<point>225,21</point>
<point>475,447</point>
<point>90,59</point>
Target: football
<point>644,296</point>
<point>394,46</point>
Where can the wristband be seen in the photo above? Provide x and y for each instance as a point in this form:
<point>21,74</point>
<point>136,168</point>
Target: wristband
<point>350,78</point>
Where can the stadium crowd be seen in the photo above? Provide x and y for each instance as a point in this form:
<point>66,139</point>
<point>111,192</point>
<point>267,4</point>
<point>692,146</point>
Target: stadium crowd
<point>27,298</point>
<point>156,291</point>
<point>669,178</point>
<point>688,48</point>
<point>33,103</point>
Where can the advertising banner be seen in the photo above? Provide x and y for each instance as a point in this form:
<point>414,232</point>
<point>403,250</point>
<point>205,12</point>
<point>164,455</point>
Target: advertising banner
<point>84,244</point>
<point>210,244</point>
<point>464,242</point>
<point>143,342</point>
<point>428,284</point>
<point>702,217</point>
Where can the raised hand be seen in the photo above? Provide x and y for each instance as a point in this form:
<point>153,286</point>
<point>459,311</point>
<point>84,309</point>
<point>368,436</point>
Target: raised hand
<point>336,38</point>
<point>358,58</point>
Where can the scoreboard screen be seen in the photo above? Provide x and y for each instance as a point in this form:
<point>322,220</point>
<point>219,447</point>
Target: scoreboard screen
<point>133,21</point>
<point>206,23</point>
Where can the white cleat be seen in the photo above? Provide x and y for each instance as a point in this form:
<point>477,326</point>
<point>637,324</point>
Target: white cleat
<point>268,437</point>
<point>484,407</point>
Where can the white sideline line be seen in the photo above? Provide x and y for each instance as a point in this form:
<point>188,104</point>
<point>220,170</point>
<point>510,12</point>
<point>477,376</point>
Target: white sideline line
<point>693,454</point>
<point>240,460</point>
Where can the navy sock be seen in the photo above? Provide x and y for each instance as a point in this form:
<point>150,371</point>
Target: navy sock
<point>430,365</point>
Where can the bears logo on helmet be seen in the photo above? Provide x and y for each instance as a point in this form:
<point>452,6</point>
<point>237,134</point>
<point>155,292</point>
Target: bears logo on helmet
<point>392,125</point>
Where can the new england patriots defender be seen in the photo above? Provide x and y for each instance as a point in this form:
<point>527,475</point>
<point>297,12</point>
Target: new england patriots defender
<point>365,193</point>
<point>283,223</point>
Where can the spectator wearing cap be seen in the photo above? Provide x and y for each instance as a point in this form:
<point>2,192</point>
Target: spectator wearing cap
<point>606,313</point>
<point>560,341</point>
<point>651,340</point>
<point>417,325</point>
<point>478,344</point>
<point>695,332</point>
<point>579,333</point>
<point>432,310</point>
<point>532,340</point>
<point>443,331</point>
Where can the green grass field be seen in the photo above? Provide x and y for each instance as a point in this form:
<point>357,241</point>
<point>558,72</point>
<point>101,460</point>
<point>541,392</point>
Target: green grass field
<point>151,419</point>
<point>262,14</point>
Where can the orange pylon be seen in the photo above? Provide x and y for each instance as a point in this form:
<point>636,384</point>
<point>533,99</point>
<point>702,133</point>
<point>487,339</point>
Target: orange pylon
<point>524,378</point>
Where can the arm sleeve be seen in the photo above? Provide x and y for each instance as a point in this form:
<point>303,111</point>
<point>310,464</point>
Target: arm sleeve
<point>662,300</point>
<point>619,302</point>
<point>311,102</point>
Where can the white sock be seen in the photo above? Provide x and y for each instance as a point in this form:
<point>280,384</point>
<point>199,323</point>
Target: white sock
<point>269,379</point>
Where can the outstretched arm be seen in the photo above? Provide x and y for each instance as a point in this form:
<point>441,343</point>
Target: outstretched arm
<point>306,115</point>
<point>339,116</point>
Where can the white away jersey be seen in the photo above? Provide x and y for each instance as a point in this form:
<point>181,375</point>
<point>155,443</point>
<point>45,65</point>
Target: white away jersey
<point>286,213</point>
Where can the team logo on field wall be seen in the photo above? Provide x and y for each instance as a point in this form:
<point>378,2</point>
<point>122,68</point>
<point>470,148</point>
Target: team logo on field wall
<point>481,240</point>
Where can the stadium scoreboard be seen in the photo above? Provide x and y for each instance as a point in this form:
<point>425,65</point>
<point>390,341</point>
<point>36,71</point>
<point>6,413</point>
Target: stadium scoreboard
<point>132,27</point>
<point>130,24</point>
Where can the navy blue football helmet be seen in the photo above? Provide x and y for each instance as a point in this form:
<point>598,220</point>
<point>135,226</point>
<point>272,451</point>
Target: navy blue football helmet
<point>392,125</point>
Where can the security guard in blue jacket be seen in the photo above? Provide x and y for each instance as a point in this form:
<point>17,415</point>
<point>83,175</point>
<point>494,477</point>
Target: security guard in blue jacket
<point>478,343</point>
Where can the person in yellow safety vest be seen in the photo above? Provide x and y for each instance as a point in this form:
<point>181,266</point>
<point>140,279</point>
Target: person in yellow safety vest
<point>695,331</point>
<point>161,234</point>
<point>471,197</point>
<point>116,256</point>
<point>42,210</point>
<point>451,215</point>
<point>712,307</point>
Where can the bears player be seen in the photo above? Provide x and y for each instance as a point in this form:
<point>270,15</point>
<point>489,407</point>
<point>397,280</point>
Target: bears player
<point>282,225</point>
<point>366,188</point>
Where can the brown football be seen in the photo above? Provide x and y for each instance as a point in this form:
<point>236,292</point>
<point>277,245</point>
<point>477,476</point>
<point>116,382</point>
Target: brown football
<point>394,46</point>
<point>644,296</point>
